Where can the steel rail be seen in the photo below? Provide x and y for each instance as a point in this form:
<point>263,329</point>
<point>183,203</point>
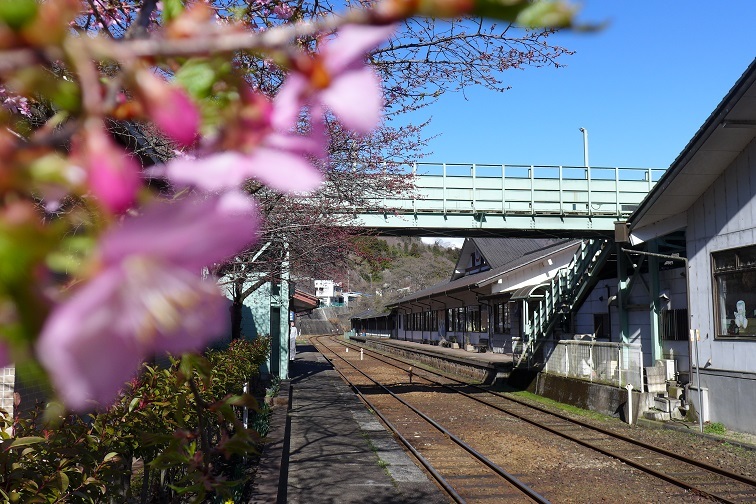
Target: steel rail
<point>696,463</point>
<point>536,497</point>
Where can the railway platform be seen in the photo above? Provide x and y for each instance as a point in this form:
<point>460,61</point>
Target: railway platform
<point>327,448</point>
<point>485,367</point>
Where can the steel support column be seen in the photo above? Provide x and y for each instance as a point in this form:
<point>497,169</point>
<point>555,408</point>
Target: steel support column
<point>654,305</point>
<point>623,293</point>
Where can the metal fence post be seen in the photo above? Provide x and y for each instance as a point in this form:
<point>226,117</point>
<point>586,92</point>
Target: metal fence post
<point>619,366</point>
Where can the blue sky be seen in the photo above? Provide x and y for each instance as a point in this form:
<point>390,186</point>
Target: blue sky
<point>641,87</point>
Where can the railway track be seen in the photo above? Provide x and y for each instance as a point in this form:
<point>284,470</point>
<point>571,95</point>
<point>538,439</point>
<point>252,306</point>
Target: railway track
<point>695,476</point>
<point>449,460</point>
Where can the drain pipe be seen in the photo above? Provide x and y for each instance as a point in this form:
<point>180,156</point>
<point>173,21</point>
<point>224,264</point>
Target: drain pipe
<point>629,388</point>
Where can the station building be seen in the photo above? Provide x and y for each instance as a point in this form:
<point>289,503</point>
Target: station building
<point>619,308</point>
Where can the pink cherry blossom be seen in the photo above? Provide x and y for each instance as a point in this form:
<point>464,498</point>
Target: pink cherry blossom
<point>169,107</point>
<point>282,160</point>
<point>278,169</point>
<point>113,176</point>
<point>340,80</point>
<point>147,299</point>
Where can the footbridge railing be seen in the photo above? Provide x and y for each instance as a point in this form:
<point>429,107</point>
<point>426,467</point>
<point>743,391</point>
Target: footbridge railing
<point>469,196</point>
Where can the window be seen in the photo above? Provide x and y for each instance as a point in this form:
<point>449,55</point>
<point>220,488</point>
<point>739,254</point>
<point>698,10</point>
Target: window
<point>484,318</point>
<point>473,318</point>
<point>601,325</point>
<point>735,292</point>
<point>503,318</point>
<point>457,319</point>
<point>674,325</point>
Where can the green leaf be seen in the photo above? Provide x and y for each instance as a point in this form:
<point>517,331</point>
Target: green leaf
<point>197,76</point>
<point>172,9</point>
<point>546,14</point>
<point>134,403</point>
<point>110,456</point>
<point>64,481</point>
<point>25,441</point>
<point>18,13</point>
<point>247,400</point>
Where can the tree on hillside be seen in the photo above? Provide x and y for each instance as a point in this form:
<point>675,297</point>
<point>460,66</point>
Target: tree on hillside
<point>408,266</point>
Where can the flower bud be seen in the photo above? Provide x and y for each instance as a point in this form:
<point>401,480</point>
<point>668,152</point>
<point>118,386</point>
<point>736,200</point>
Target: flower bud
<point>169,106</point>
<point>113,176</point>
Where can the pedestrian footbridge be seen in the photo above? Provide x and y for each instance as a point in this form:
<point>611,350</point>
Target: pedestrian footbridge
<point>501,200</point>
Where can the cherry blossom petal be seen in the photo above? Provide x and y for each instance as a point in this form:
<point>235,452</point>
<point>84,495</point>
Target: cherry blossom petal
<point>113,176</point>
<point>177,117</point>
<point>191,233</point>
<point>170,108</point>
<point>356,99</point>
<point>212,173</point>
<point>315,144</point>
<point>351,45</point>
<point>289,102</point>
<point>319,132</point>
<point>93,343</point>
<point>279,168</point>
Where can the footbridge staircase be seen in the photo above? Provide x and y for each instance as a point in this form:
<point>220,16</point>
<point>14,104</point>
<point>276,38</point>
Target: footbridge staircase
<point>550,304</point>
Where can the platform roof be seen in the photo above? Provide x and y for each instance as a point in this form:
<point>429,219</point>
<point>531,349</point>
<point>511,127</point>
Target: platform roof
<point>302,301</point>
<point>489,276</point>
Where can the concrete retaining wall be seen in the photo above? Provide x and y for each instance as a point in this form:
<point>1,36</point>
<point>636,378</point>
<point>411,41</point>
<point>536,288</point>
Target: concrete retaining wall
<point>604,399</point>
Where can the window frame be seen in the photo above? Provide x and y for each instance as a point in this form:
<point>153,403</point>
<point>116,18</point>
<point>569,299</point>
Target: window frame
<point>728,269</point>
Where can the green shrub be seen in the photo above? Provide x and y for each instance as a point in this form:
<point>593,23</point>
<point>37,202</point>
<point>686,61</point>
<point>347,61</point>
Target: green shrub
<point>715,428</point>
<point>182,421</point>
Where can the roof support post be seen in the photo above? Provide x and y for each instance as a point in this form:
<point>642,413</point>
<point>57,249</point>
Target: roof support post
<point>655,305</point>
<point>623,292</point>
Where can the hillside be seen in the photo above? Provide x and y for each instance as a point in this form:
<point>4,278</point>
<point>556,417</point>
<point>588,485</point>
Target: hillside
<point>386,269</point>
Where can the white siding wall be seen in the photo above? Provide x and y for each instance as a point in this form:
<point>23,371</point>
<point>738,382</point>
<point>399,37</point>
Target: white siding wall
<point>536,272</point>
<point>724,217</point>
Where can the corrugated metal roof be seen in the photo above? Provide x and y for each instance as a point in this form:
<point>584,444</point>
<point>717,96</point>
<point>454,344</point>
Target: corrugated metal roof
<point>502,251</point>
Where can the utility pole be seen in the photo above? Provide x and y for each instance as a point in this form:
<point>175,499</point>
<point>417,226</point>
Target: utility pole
<point>585,147</point>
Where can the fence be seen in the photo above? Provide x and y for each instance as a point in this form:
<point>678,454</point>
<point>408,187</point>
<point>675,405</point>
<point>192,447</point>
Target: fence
<point>603,362</point>
<point>596,361</point>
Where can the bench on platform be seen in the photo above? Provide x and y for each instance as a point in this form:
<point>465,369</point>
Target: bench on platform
<point>481,346</point>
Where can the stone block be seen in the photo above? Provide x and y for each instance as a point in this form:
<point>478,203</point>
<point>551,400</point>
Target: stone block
<point>666,404</point>
<point>656,379</point>
<point>675,391</point>
<point>659,416</point>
